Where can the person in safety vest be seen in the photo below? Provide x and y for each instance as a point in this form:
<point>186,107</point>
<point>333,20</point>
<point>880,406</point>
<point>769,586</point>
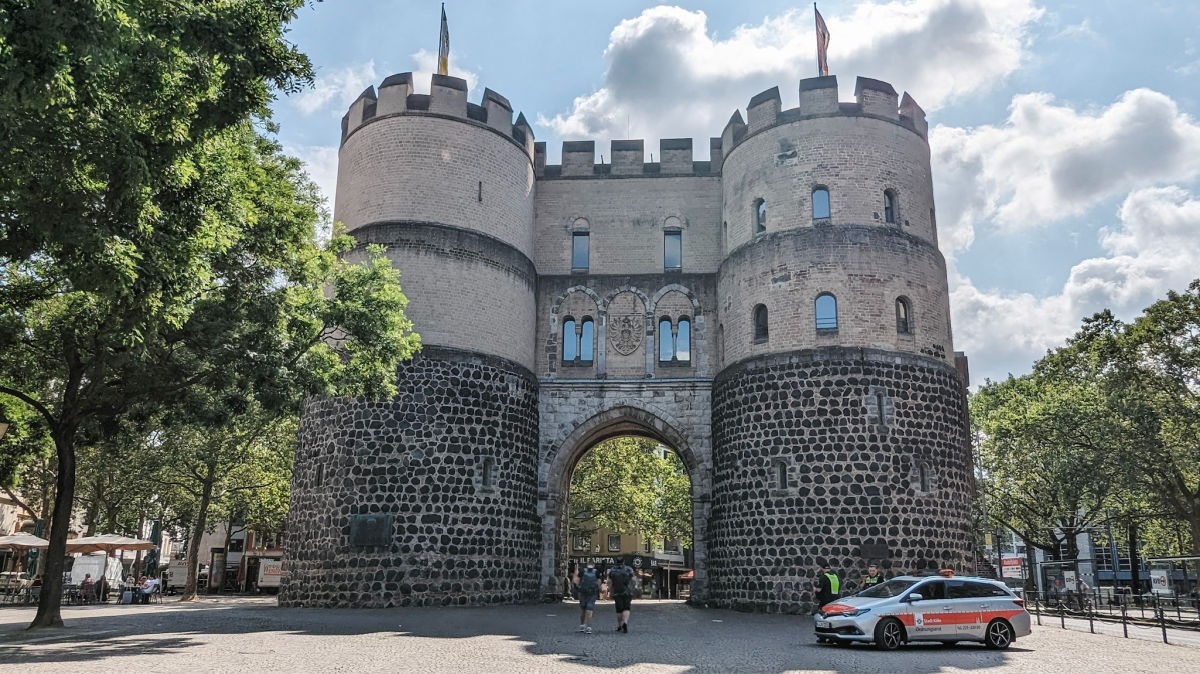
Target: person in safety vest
<point>873,577</point>
<point>828,585</point>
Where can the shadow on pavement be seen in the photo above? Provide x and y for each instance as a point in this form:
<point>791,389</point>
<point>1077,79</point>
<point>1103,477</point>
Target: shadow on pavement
<point>662,633</point>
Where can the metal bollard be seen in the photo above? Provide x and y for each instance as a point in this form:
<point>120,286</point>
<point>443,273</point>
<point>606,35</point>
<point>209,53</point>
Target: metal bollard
<point>1037,609</point>
<point>1124,621</point>
<point>1062,615</point>
<point>1162,622</point>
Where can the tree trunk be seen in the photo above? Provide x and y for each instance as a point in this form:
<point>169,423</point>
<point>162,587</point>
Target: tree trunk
<point>49,613</point>
<point>1194,525</point>
<point>1135,560</point>
<point>193,555</point>
<point>1031,581</point>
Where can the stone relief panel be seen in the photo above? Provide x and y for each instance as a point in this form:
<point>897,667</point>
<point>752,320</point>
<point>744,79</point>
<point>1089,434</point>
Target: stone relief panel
<point>626,336</point>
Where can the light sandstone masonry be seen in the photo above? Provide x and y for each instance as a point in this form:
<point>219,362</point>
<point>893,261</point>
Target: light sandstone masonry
<point>806,446</point>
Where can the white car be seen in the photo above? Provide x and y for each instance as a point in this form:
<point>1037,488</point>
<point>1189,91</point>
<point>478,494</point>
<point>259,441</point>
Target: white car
<point>935,608</point>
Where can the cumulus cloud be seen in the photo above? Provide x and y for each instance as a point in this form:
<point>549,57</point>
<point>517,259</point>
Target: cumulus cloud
<point>668,76</point>
<point>1049,161</point>
<point>1150,250</point>
<point>336,89</point>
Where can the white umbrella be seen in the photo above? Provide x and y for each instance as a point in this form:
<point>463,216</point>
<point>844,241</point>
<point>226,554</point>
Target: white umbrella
<point>107,543</point>
<point>23,542</point>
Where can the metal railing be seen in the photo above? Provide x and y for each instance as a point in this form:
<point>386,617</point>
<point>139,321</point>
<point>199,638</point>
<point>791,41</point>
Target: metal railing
<point>1137,611</point>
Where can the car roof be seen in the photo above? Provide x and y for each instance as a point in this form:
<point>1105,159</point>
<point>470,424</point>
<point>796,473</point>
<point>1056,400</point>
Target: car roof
<point>980,579</point>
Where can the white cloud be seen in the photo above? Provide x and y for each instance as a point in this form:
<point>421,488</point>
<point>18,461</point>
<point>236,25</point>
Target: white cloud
<point>667,76</point>
<point>1152,250</point>
<point>336,89</point>
<point>1049,161</point>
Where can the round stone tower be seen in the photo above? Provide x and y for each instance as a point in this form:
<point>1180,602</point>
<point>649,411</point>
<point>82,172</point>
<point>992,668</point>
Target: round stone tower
<point>839,423</point>
<point>431,498</point>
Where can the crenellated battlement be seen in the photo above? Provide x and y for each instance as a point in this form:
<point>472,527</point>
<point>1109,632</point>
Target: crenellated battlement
<point>818,98</point>
<point>447,97</point>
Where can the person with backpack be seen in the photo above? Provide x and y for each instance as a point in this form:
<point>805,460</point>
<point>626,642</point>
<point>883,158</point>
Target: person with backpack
<point>620,578</point>
<point>587,584</point>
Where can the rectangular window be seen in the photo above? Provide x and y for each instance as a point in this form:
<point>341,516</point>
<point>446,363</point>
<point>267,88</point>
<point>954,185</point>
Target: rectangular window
<point>579,250</point>
<point>673,250</point>
<point>614,542</point>
<point>583,541</point>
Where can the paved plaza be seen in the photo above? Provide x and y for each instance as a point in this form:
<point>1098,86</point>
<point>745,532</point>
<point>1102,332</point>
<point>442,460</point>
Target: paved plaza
<point>253,635</point>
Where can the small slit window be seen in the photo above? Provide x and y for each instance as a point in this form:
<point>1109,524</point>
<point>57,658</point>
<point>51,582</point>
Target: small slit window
<point>760,323</point>
<point>903,316</point>
<point>579,251</point>
<point>781,475</point>
<point>826,311</point>
<point>820,204</point>
<point>889,206</point>
<point>924,480</point>
<point>760,216</point>
<point>673,250</point>
<point>488,474</point>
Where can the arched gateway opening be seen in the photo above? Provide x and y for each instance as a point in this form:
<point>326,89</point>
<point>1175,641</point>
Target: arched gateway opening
<point>562,460</point>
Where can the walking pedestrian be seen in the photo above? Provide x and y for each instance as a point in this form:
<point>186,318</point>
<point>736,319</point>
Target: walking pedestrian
<point>827,585</point>
<point>873,577</point>
<point>587,583</point>
<point>621,580</point>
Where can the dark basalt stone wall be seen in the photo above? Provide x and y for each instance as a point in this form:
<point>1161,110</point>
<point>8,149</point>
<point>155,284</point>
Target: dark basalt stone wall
<point>834,455</point>
<point>448,473</point>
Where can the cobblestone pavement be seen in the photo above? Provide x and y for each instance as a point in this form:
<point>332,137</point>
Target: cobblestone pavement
<point>253,635</point>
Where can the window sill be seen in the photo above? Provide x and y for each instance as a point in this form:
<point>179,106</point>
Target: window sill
<point>827,332</point>
<point>579,271</point>
<point>675,363</point>
<point>578,363</point>
<point>759,340</point>
<point>672,270</point>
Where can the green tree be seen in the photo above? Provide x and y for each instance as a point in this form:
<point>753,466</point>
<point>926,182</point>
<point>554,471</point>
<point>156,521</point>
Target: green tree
<point>1046,455</point>
<point>631,485</point>
<point>154,248</point>
<point>1152,380</point>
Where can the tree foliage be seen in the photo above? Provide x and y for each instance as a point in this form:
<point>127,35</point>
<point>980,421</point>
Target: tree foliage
<point>1105,428</point>
<point>157,250</point>
<point>632,485</point>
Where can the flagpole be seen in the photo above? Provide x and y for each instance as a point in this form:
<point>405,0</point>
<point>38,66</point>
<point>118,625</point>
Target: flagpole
<point>818,41</point>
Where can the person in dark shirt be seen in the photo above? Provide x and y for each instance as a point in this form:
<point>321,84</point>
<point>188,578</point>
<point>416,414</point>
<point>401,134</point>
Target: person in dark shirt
<point>873,577</point>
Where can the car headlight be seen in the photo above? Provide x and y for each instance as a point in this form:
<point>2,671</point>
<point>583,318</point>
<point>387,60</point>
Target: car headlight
<point>851,614</point>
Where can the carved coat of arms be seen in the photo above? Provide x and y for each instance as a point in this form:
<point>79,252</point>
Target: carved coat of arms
<point>627,332</point>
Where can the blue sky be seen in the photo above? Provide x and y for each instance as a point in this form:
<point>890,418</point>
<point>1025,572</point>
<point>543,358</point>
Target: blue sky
<point>1066,149</point>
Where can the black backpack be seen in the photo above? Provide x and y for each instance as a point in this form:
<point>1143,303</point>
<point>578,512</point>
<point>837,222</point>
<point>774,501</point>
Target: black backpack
<point>620,578</point>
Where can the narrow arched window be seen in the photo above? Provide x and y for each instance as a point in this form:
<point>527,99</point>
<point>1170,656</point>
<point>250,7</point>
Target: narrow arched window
<point>760,323</point>
<point>889,206</point>
<point>725,236</point>
<point>683,340</point>
<point>570,341</point>
<point>820,204</point>
<point>760,216</point>
<point>924,482</point>
<point>781,476</point>
<point>666,343</point>
<point>672,250</point>
<point>826,306</point>
<point>721,344</point>
<point>488,477</point>
<point>586,339</point>
<point>903,316</point>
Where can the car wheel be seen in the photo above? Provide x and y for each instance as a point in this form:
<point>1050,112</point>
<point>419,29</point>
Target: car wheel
<point>889,634</point>
<point>999,634</point>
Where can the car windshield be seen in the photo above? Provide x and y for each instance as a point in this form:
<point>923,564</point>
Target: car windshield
<point>892,588</point>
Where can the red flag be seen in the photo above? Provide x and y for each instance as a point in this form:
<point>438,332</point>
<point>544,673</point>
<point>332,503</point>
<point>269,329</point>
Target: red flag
<point>822,44</point>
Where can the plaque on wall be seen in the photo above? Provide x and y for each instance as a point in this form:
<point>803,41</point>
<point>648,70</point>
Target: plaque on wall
<point>370,530</point>
<point>627,332</point>
<point>873,551</point>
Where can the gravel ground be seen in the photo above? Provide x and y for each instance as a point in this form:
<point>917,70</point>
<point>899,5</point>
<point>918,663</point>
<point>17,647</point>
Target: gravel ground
<point>253,635</point>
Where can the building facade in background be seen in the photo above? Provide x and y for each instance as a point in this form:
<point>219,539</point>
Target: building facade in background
<point>777,314</point>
